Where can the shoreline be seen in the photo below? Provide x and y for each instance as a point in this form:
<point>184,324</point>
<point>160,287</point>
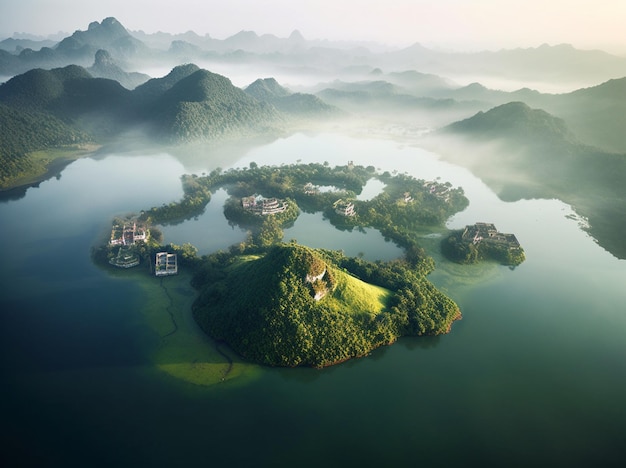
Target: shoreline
<point>52,169</point>
<point>182,350</point>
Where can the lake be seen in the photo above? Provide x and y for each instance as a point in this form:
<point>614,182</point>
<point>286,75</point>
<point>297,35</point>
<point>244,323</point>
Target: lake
<point>105,368</point>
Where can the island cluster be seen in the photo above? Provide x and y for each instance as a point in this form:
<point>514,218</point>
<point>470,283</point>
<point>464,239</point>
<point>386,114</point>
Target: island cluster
<point>286,304</point>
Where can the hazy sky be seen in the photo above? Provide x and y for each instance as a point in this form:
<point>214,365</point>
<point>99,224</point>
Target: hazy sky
<point>456,24</point>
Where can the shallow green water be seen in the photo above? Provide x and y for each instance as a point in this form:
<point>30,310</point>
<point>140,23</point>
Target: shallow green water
<point>534,374</point>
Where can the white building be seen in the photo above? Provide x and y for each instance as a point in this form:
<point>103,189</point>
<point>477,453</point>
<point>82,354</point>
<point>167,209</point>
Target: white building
<point>166,264</point>
<point>344,208</point>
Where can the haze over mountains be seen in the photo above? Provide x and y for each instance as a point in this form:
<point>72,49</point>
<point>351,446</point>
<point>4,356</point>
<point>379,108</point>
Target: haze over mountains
<point>522,152</point>
<point>299,55</point>
<point>89,87</point>
<point>399,83</point>
<point>414,81</point>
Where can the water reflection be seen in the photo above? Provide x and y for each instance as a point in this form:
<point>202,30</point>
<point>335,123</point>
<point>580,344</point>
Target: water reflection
<point>315,231</point>
<point>421,342</point>
<point>553,327</point>
<point>372,188</point>
<point>210,231</point>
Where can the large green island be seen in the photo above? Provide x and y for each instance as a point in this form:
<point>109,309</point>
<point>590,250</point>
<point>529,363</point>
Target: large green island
<point>286,304</point>
<point>292,305</point>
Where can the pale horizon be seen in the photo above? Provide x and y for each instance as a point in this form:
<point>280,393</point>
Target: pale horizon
<point>456,25</point>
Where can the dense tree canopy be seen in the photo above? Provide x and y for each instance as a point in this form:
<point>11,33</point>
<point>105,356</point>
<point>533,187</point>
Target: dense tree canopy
<point>265,307</point>
<point>289,305</point>
<point>24,132</point>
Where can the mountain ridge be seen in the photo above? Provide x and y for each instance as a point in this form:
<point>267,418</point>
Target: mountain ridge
<point>189,104</point>
<point>105,66</point>
<point>515,120</point>
<point>543,62</point>
<point>296,104</point>
<point>205,105</point>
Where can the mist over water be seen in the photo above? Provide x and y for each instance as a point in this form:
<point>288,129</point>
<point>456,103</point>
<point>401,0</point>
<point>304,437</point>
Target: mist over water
<point>492,387</point>
<point>107,367</point>
<point>510,83</point>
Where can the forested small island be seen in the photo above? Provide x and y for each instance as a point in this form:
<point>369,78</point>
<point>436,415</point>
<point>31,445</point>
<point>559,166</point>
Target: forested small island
<point>285,304</point>
<point>482,241</point>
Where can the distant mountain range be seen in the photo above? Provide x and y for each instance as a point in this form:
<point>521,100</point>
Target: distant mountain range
<point>561,63</point>
<point>523,143</point>
<point>107,50</point>
<point>77,49</point>
<point>556,63</point>
<point>381,98</point>
<point>594,114</point>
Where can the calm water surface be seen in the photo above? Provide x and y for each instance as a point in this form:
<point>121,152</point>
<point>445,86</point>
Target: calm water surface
<point>208,232</point>
<point>534,374</point>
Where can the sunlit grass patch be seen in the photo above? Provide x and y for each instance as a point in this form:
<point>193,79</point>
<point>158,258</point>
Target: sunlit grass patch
<point>183,350</point>
<point>358,296</point>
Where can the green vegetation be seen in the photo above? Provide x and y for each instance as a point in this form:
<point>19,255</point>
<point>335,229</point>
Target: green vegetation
<point>300,104</point>
<point>205,106</point>
<point>42,110</point>
<point>26,132</point>
<point>257,298</point>
<point>196,197</point>
<point>289,305</point>
<point>430,203</point>
<point>266,309</point>
<point>464,251</point>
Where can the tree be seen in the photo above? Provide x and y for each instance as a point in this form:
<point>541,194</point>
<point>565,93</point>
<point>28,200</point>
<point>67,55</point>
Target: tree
<point>270,232</point>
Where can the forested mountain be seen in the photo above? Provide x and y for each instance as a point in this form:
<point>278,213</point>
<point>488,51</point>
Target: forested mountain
<point>105,66</point>
<point>515,121</point>
<point>47,109</point>
<point>97,106</point>
<point>187,104</point>
<point>292,305</point>
<point>300,104</point>
<point>40,89</point>
<point>522,152</point>
<point>155,87</point>
<point>206,105</point>
<point>594,114</point>
<point>25,131</point>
